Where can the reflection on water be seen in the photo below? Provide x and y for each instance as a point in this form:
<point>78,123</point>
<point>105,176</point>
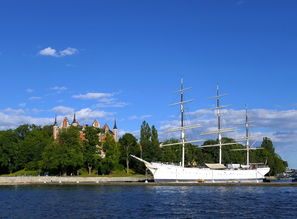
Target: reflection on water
<point>147,202</point>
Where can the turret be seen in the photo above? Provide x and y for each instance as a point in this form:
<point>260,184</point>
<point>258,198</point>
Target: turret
<point>74,122</point>
<point>55,123</point>
<point>96,124</point>
<point>55,129</point>
<point>115,131</point>
<point>65,123</point>
<point>105,128</point>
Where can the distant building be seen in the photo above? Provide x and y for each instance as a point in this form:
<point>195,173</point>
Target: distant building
<point>105,130</point>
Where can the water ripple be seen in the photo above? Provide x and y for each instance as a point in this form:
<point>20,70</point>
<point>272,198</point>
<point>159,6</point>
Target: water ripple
<point>147,202</point>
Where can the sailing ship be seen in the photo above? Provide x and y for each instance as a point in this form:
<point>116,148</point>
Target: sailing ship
<point>215,172</point>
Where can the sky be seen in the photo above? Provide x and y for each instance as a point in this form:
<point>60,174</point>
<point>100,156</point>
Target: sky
<point>123,60</point>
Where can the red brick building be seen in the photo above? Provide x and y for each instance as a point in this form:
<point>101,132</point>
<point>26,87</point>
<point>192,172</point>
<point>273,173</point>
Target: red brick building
<point>105,130</point>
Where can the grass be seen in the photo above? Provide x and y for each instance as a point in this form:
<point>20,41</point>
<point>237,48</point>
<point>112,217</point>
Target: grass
<point>117,173</point>
<point>24,173</point>
<point>122,173</point>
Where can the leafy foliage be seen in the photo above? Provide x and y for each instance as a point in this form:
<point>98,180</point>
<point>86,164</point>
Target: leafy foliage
<point>276,164</point>
<point>149,142</point>
<point>129,146</point>
<point>111,161</point>
<point>90,156</point>
<point>64,157</point>
<point>32,148</point>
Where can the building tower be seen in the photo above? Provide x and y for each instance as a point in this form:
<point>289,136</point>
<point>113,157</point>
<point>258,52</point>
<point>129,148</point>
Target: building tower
<point>115,131</point>
<point>74,122</point>
<point>96,124</point>
<point>65,123</point>
<point>55,129</point>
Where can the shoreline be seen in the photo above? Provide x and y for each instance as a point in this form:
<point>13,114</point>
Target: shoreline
<point>117,181</point>
<point>15,180</point>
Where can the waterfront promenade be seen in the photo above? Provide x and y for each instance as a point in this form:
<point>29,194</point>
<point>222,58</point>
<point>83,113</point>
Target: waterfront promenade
<point>21,180</point>
<point>125,181</point>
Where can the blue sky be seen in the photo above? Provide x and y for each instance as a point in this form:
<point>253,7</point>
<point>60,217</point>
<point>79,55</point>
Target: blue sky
<point>123,59</point>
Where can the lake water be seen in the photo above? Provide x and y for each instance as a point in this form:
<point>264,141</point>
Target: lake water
<point>41,201</point>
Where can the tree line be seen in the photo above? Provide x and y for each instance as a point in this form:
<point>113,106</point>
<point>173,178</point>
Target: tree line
<point>31,147</point>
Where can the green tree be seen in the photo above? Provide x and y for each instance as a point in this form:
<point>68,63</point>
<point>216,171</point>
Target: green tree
<point>211,154</point>
<point>90,148</point>
<point>112,153</point>
<point>149,142</point>
<point>65,156</point>
<point>145,141</point>
<point>129,146</point>
<point>276,164</point>
<point>194,155</point>
<point>9,152</point>
<point>52,158</point>
<point>32,146</point>
<point>268,145</point>
<point>155,151</point>
<point>23,130</point>
<point>172,153</point>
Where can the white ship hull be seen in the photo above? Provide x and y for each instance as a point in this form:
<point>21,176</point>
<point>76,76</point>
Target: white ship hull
<point>213,172</point>
<point>173,173</point>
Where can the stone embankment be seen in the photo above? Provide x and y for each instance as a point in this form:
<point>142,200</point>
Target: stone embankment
<point>119,181</point>
<point>21,180</point>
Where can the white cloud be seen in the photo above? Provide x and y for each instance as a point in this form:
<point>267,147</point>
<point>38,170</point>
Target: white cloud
<point>63,110</point>
<point>107,100</point>
<point>275,119</point>
<point>36,111</point>
<point>69,51</point>
<point>8,121</point>
<point>136,133</point>
<point>48,52</point>
<point>89,96</point>
<point>57,88</point>
<point>13,111</point>
<point>139,117</point>
<point>34,98</point>
<point>279,125</point>
<point>111,105</point>
<point>53,52</point>
<point>104,100</point>
<point>12,118</point>
<point>83,116</point>
<point>22,105</point>
<point>89,114</point>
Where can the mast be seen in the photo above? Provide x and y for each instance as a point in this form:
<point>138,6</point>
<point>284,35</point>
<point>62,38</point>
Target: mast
<point>219,125</point>
<point>247,143</point>
<point>219,130</point>
<point>247,138</point>
<point>182,127</point>
<point>182,122</point>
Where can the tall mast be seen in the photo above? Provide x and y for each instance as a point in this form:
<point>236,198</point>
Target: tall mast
<point>182,127</point>
<point>247,137</point>
<point>219,125</point>
<point>182,122</point>
<point>219,130</point>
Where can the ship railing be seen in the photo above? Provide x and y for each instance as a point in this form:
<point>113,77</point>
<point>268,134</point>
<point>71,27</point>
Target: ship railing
<point>166,163</point>
<point>243,166</point>
<point>258,165</point>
